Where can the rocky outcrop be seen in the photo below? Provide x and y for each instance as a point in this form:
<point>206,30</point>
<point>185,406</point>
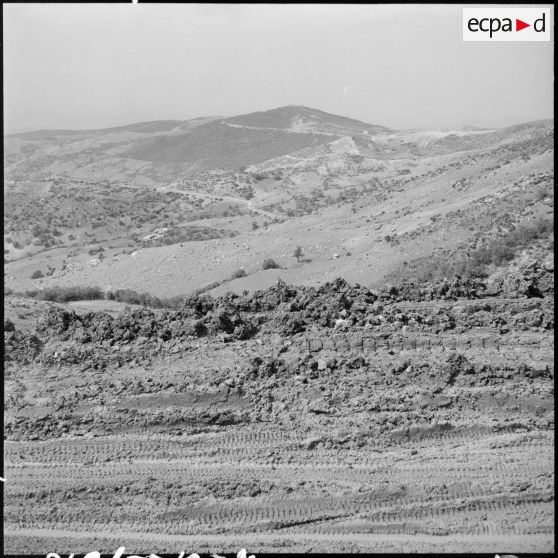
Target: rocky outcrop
<point>525,278</point>
<point>20,347</point>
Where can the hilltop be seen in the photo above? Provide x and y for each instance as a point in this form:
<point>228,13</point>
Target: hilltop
<point>299,118</point>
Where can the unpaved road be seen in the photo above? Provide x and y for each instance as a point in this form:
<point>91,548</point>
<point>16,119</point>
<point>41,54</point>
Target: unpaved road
<point>468,490</point>
<point>231,199</point>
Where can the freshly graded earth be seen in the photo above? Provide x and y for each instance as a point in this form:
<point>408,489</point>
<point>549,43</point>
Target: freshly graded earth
<point>333,419</point>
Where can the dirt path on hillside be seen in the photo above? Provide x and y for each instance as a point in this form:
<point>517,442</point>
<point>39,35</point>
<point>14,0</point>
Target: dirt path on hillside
<point>231,199</point>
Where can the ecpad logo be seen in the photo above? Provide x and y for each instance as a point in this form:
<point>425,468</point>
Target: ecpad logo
<point>493,25</point>
<point>506,24</point>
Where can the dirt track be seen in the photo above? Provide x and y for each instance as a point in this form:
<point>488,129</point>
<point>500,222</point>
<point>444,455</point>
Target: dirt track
<point>448,486</point>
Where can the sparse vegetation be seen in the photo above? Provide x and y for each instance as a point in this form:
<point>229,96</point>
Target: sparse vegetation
<point>130,296</point>
<point>66,294</point>
<point>494,252</point>
<point>269,263</point>
<point>94,251</point>
<point>238,274</point>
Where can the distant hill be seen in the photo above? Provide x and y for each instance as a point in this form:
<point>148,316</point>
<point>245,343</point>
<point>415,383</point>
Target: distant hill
<point>295,117</point>
<point>217,145</point>
<point>159,151</point>
<point>249,139</point>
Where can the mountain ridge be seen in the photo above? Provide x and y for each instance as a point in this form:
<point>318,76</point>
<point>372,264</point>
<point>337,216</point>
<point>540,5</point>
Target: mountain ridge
<point>277,112</point>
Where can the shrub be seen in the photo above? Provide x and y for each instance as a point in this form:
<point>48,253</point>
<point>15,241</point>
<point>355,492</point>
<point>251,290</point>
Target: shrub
<point>208,287</point>
<point>66,294</point>
<point>124,295</point>
<point>541,193</point>
<point>37,274</point>
<point>130,296</point>
<point>238,274</point>
<point>270,264</point>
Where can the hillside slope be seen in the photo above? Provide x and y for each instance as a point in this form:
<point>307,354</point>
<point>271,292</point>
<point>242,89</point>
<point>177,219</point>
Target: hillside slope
<point>353,216</point>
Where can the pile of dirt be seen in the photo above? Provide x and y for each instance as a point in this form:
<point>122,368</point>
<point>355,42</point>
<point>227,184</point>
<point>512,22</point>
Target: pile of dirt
<point>445,289</point>
<point>20,347</point>
<point>146,325</point>
<point>527,277</point>
<point>110,421</point>
<point>98,340</point>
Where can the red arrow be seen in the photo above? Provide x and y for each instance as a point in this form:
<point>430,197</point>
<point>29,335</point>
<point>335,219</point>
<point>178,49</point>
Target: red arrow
<point>519,25</point>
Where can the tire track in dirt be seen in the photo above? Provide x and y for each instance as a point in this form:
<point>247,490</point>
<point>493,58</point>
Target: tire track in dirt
<point>150,450</point>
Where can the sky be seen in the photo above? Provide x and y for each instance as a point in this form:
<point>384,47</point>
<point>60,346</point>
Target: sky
<point>83,66</point>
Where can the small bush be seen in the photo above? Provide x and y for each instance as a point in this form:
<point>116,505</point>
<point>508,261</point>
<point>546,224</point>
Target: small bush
<point>298,253</point>
<point>541,192</point>
<point>270,264</point>
<point>130,296</point>
<point>213,285</point>
<point>238,274</point>
<point>66,294</point>
<point>98,250</point>
<point>37,274</point>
